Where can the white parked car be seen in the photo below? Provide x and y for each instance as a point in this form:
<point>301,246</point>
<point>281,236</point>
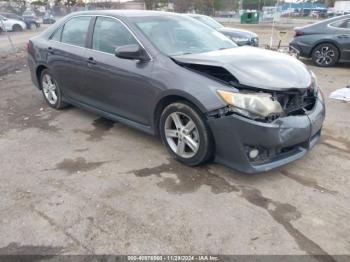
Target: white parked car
<point>7,24</point>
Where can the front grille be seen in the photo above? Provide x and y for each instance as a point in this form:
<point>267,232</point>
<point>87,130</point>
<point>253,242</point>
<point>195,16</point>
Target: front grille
<point>297,103</point>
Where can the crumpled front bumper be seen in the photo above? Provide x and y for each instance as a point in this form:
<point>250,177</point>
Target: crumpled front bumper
<point>280,142</point>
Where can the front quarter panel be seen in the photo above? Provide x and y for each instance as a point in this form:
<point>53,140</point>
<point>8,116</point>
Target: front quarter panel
<point>174,80</point>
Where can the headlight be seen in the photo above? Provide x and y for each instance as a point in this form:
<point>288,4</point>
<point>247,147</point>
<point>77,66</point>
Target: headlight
<point>316,88</point>
<point>314,83</point>
<point>240,39</point>
<point>252,105</point>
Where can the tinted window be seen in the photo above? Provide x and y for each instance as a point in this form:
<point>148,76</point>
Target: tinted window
<point>342,24</point>
<point>75,31</point>
<point>110,34</point>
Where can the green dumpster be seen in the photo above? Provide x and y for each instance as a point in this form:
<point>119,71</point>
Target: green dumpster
<point>250,17</point>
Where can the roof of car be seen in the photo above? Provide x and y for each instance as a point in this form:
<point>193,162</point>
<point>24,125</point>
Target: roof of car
<point>125,13</point>
<point>195,15</point>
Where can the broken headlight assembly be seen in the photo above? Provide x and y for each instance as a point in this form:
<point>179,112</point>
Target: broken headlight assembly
<point>252,105</point>
<point>315,87</point>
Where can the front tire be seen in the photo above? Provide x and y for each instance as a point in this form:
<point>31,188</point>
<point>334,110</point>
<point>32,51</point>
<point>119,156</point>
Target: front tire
<point>51,91</point>
<point>17,28</point>
<point>325,55</point>
<point>185,134</point>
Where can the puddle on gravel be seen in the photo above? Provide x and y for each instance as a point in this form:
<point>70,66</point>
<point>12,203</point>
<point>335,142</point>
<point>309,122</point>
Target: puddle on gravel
<point>23,116</point>
<point>284,214</point>
<point>335,143</point>
<point>79,164</point>
<point>189,180</point>
<point>186,179</point>
<point>307,181</point>
<point>101,128</point>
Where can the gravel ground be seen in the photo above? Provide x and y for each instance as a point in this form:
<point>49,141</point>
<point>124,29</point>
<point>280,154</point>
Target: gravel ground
<point>75,183</point>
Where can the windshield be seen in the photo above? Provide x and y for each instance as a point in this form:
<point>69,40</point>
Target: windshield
<point>175,35</point>
<point>208,21</point>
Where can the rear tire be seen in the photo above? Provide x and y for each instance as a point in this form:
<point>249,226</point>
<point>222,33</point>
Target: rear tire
<point>185,134</point>
<point>325,55</point>
<point>32,26</point>
<point>51,90</point>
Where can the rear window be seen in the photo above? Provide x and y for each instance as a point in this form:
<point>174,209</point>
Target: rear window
<point>75,31</point>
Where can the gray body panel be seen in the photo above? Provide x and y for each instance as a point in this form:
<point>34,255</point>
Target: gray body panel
<point>130,91</point>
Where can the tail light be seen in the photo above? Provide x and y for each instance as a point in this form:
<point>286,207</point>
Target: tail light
<point>298,33</point>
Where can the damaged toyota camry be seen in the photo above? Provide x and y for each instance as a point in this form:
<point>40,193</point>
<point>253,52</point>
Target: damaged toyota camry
<point>247,108</point>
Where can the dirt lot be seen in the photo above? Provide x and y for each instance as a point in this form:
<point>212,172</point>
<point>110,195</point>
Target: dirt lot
<point>74,183</point>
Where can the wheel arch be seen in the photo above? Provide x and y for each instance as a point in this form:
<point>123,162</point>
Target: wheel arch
<point>16,25</point>
<point>38,72</point>
<point>168,99</point>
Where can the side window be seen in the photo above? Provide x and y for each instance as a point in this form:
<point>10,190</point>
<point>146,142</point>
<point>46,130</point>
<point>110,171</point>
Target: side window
<point>110,34</point>
<point>57,35</point>
<point>75,31</point>
<point>342,24</point>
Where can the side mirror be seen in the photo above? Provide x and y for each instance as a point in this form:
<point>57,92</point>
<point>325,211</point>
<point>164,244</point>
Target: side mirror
<point>133,52</point>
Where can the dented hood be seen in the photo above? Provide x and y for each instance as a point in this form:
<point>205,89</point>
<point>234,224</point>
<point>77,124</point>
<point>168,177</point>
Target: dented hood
<point>255,67</point>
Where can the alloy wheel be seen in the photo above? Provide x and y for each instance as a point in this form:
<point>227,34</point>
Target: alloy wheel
<point>49,89</point>
<point>182,134</point>
<point>325,55</point>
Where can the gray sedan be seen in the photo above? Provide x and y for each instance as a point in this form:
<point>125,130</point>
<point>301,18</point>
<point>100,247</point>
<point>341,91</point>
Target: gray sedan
<point>326,42</point>
<point>170,75</point>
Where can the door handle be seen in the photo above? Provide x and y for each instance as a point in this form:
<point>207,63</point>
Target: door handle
<point>50,50</point>
<point>91,61</point>
<point>343,36</point>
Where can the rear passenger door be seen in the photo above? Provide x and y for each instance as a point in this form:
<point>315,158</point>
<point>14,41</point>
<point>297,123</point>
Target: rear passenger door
<point>66,56</point>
